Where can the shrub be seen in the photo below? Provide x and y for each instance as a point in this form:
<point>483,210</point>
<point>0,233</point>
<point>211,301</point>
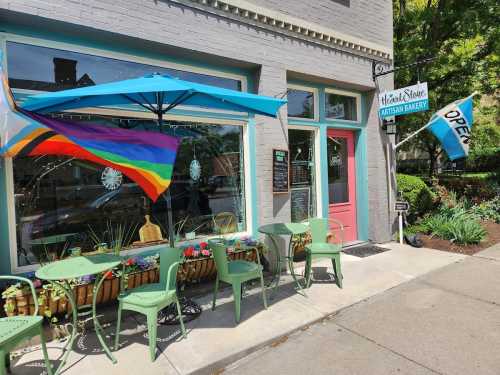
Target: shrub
<point>456,224</point>
<point>488,210</point>
<point>466,231</point>
<point>417,193</point>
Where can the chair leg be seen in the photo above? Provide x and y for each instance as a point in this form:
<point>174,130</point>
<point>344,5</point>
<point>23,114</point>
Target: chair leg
<point>216,289</point>
<point>3,362</point>
<point>338,271</point>
<point>308,270</point>
<point>237,300</point>
<point>262,285</point>
<point>152,317</point>
<point>45,354</point>
<point>181,321</point>
<point>118,324</point>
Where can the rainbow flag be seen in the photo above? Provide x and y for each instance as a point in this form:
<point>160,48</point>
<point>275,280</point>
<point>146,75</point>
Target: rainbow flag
<point>145,157</point>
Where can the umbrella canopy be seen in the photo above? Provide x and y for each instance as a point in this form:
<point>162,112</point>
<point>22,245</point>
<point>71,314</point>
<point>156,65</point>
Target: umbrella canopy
<point>156,93</point>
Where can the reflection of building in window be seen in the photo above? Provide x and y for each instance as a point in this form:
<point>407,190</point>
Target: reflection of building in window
<point>62,196</point>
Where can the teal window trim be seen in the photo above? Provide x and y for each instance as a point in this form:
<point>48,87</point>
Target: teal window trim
<point>16,33</point>
<point>84,46</point>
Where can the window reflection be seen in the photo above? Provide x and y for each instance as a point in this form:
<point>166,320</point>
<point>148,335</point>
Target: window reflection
<point>341,107</point>
<point>302,174</point>
<point>338,188</point>
<point>60,199</point>
<point>48,69</point>
<point>300,104</point>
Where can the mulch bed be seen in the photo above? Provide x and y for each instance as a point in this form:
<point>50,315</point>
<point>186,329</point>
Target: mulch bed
<point>493,237</point>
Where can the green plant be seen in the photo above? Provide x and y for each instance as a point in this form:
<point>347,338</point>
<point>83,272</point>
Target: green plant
<point>117,236</point>
<point>488,210</point>
<point>466,231</point>
<point>417,193</point>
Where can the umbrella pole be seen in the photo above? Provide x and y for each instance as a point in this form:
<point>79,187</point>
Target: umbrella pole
<point>168,198</point>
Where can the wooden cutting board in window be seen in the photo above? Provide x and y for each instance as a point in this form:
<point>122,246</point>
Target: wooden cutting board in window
<point>150,232</point>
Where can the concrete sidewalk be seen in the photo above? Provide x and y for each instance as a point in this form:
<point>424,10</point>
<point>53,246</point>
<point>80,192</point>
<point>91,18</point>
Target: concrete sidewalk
<point>214,340</point>
<point>444,322</point>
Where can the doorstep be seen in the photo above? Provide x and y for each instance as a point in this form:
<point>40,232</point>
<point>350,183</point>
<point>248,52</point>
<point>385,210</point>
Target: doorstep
<point>214,340</point>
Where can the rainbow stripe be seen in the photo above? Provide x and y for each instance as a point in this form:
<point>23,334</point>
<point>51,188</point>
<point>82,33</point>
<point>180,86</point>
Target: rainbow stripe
<point>145,157</point>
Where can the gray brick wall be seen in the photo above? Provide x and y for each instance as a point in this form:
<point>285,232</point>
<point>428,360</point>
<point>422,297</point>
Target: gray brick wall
<point>179,26</point>
<point>367,19</point>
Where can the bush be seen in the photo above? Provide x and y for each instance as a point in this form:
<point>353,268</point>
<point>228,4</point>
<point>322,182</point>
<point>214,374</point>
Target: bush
<point>474,188</point>
<point>488,210</point>
<point>457,224</point>
<point>417,193</point>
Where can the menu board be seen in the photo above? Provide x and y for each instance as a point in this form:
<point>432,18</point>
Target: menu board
<point>300,203</point>
<point>281,183</point>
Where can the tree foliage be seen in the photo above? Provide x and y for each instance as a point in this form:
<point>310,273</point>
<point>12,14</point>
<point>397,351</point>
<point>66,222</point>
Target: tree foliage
<point>464,38</point>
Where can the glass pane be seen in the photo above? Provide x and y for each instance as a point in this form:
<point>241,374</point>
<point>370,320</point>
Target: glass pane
<point>341,107</point>
<point>48,69</point>
<point>300,104</point>
<point>338,187</point>
<point>303,183</point>
<point>60,201</point>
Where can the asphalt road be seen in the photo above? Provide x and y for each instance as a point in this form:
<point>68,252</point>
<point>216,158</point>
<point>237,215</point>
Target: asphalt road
<point>446,322</point>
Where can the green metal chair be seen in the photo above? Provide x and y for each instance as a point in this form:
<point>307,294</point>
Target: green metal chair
<point>320,248</point>
<point>235,272</point>
<point>16,329</point>
<point>149,299</point>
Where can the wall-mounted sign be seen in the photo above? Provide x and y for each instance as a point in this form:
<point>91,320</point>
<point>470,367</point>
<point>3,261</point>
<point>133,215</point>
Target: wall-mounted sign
<point>403,101</point>
<point>281,181</point>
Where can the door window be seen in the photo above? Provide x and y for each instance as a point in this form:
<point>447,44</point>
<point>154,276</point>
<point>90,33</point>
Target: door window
<point>338,188</point>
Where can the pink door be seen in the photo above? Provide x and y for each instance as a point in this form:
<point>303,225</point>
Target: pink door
<point>342,182</point>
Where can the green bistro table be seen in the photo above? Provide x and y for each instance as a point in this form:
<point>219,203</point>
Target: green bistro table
<point>284,229</point>
<point>61,272</point>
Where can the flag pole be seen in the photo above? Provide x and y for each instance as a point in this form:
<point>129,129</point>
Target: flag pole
<point>430,122</point>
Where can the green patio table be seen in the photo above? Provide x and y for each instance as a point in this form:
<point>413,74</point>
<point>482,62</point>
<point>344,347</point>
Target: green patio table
<point>61,272</point>
<point>284,229</point>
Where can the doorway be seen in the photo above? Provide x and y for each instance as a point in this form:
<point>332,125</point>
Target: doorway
<point>342,182</point>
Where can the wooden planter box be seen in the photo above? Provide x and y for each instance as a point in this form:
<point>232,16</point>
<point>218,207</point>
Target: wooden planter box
<point>191,271</point>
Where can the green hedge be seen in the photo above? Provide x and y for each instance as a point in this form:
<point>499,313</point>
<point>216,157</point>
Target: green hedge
<point>417,193</point>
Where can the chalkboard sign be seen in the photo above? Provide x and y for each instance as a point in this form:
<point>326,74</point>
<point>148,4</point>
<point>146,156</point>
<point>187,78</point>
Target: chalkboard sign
<point>280,172</point>
<point>300,198</point>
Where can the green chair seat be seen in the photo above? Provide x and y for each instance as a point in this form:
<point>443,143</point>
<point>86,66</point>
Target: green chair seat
<point>320,248</point>
<point>323,248</point>
<point>17,326</point>
<point>148,295</point>
<point>149,299</point>
<point>235,272</point>
<point>16,329</point>
<point>242,267</point>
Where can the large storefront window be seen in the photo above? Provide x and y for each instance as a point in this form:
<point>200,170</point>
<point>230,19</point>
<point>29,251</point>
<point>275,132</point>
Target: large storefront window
<point>302,174</point>
<point>48,69</point>
<point>60,201</point>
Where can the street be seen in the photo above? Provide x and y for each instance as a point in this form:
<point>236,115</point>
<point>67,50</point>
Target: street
<point>445,322</point>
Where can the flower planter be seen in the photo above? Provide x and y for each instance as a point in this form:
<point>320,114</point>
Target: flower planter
<point>190,272</point>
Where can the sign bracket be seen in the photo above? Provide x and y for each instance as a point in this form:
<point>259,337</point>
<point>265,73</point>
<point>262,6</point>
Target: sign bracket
<point>378,68</point>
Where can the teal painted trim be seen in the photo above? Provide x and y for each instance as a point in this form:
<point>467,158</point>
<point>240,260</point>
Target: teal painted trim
<point>362,185</point>
<point>119,48</point>
<point>4,222</point>
<point>323,164</point>
<point>253,176</point>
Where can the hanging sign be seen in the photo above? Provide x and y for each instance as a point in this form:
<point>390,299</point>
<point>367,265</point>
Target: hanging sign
<point>403,101</point>
<point>281,181</point>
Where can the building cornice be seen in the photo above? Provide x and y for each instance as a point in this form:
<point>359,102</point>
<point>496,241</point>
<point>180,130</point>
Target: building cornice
<point>276,21</point>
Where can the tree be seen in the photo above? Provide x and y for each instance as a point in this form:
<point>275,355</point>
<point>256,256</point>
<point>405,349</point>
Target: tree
<point>464,38</point>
